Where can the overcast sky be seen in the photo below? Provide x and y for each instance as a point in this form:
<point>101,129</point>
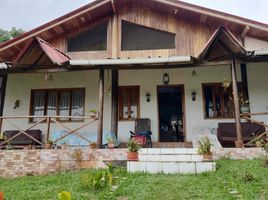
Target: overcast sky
<point>28,14</point>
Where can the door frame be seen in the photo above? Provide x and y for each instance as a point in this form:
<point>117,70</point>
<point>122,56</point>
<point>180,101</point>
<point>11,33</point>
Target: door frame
<point>3,92</point>
<point>183,108</point>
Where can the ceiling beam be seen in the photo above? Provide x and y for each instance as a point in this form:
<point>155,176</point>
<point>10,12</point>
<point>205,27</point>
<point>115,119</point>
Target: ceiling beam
<point>245,31</point>
<point>113,6</point>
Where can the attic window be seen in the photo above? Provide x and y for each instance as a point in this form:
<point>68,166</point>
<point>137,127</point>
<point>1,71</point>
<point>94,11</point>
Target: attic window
<point>137,37</point>
<point>94,39</point>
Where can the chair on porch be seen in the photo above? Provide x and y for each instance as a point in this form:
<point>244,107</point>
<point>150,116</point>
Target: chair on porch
<point>142,132</point>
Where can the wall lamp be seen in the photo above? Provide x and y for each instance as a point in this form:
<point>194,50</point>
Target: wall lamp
<point>16,104</point>
<point>148,97</point>
<point>193,95</point>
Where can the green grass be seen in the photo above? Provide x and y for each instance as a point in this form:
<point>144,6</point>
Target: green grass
<point>230,175</point>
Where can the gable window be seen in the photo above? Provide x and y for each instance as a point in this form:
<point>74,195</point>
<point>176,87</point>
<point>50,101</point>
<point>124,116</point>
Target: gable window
<point>58,102</point>
<point>137,37</point>
<point>129,102</point>
<point>94,39</point>
<point>218,101</point>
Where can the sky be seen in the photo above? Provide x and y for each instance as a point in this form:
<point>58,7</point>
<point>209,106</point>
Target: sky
<point>28,14</point>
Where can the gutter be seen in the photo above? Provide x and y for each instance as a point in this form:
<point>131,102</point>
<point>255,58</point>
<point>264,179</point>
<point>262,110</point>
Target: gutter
<point>166,60</point>
<point>262,52</point>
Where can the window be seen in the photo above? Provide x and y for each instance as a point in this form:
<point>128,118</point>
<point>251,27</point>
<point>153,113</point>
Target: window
<point>62,102</point>
<point>92,40</point>
<point>218,101</point>
<point>129,102</point>
<point>137,37</point>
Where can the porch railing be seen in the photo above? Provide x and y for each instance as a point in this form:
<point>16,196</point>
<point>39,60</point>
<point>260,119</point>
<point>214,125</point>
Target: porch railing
<point>248,116</point>
<point>47,120</point>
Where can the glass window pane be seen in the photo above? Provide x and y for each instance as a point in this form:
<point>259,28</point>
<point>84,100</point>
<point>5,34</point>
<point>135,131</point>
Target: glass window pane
<point>208,101</point>
<point>77,104</point>
<point>137,37</point>
<point>92,40</point>
<point>52,103</point>
<point>64,105</point>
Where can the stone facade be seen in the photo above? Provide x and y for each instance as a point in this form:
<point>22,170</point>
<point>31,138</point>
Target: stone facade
<point>15,163</point>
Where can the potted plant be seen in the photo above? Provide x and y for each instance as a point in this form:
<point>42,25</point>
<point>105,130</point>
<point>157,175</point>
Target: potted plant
<point>204,146</point>
<point>93,113</point>
<point>266,139</point>
<point>110,142</point>
<point>244,104</point>
<point>258,142</point>
<point>2,137</point>
<point>133,149</point>
<point>49,144</point>
<point>93,145</point>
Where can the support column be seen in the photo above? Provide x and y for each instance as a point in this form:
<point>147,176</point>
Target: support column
<point>101,103</point>
<point>239,142</point>
<point>114,113</point>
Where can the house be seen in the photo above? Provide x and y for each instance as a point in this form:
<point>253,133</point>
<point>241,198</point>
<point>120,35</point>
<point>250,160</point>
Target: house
<point>165,60</point>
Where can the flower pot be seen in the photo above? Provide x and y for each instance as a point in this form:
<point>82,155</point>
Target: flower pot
<point>259,144</point>
<point>239,144</point>
<point>93,145</point>
<point>1,195</point>
<point>132,156</point>
<point>207,156</point>
<point>48,146</point>
<point>92,114</point>
<point>110,145</point>
<point>244,109</point>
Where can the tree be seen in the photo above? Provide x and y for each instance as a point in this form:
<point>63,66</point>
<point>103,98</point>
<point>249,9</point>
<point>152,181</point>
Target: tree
<point>7,35</point>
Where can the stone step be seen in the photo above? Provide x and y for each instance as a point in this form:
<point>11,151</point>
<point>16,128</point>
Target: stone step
<point>170,158</point>
<point>170,167</point>
<point>168,151</point>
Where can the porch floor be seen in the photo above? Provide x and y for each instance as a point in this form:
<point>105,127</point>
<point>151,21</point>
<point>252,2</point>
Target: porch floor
<point>166,145</point>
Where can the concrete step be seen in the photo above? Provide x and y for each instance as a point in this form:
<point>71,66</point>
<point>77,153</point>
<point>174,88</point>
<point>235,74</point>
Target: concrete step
<point>170,158</point>
<point>168,151</point>
<point>170,167</point>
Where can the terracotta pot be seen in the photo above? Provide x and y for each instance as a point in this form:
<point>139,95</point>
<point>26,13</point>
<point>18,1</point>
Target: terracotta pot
<point>93,146</point>
<point>207,156</point>
<point>132,155</point>
<point>239,144</point>
<point>1,195</point>
<point>259,144</point>
<point>92,115</point>
<point>110,145</point>
<point>48,146</point>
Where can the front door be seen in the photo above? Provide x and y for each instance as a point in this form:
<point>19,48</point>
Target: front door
<point>171,111</point>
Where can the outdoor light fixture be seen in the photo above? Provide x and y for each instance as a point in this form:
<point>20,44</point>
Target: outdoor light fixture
<point>193,95</point>
<point>148,97</point>
<point>48,77</point>
<point>166,79</point>
<point>16,104</point>
<point>194,73</point>
<point>225,84</point>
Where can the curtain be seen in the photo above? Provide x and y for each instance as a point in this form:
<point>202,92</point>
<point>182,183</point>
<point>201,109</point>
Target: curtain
<point>64,105</point>
<point>52,103</point>
<point>38,104</point>
<point>77,103</point>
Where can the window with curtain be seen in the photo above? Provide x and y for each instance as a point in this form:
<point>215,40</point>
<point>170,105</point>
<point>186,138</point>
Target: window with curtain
<point>218,102</point>
<point>60,102</point>
<point>129,104</point>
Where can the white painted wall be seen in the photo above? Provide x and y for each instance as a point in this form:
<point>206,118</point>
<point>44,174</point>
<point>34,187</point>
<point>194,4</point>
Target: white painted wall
<point>20,85</point>
<point>255,44</point>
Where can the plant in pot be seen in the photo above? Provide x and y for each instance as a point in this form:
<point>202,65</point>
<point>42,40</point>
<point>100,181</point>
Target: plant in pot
<point>110,142</point>
<point>93,145</point>
<point>49,144</point>
<point>133,149</point>
<point>93,113</point>
<point>244,104</point>
<point>2,137</point>
<point>259,142</point>
<point>204,146</point>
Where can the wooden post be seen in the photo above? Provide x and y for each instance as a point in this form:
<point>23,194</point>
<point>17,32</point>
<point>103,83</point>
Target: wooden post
<point>114,112</point>
<point>239,142</point>
<point>101,103</point>
<point>48,128</point>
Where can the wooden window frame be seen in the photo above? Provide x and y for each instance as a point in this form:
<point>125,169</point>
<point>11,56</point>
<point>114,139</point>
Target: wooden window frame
<point>120,103</point>
<point>213,96</point>
<point>59,91</point>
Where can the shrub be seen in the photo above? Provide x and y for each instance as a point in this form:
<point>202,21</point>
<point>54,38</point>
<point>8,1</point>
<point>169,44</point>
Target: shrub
<point>204,145</point>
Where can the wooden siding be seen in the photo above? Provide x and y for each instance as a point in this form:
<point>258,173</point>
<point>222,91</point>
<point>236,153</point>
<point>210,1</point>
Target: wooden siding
<point>191,34</point>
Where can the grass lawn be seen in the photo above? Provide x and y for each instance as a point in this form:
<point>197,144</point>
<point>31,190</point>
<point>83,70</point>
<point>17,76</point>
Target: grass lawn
<point>247,177</point>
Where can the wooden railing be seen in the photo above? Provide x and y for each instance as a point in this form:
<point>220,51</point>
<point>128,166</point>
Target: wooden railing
<point>47,120</point>
<point>248,116</point>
